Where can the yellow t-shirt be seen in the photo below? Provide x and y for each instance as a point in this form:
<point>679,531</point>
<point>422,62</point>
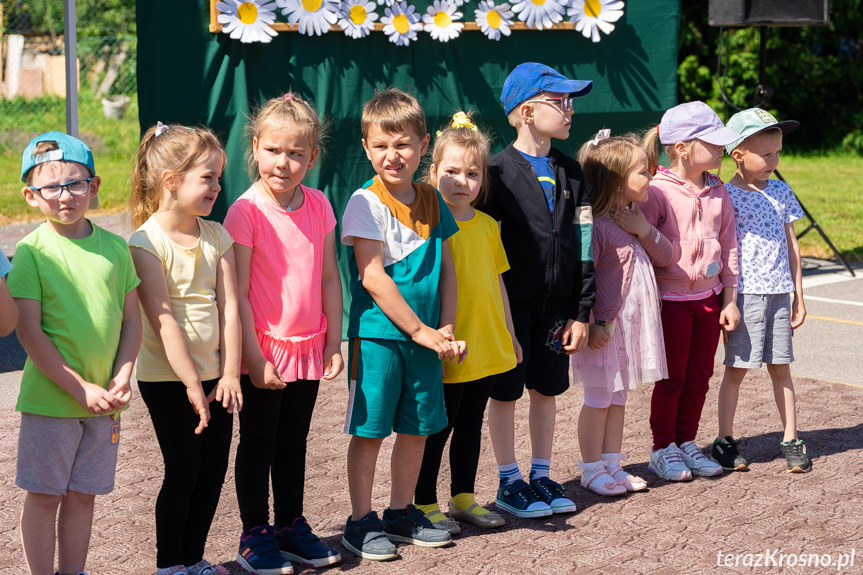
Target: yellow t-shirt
<point>479,259</point>
<point>191,277</point>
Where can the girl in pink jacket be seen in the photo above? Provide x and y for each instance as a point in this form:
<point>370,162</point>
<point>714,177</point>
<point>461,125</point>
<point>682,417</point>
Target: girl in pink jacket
<point>691,208</point>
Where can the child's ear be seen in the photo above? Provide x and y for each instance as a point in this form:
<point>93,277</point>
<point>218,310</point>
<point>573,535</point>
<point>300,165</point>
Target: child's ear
<point>29,196</point>
<point>366,148</point>
<point>255,148</point>
<point>314,158</point>
<point>94,186</point>
<point>526,112</point>
<point>168,181</point>
<point>433,174</point>
<point>737,155</point>
<point>425,145</point>
<point>680,148</point>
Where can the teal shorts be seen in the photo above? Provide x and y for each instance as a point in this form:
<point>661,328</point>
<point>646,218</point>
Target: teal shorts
<point>394,386</point>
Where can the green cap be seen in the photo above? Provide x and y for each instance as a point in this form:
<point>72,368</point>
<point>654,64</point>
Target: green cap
<point>754,120</point>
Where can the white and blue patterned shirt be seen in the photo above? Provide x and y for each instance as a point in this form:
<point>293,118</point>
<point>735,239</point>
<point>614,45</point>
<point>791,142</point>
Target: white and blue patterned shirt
<point>761,242</point>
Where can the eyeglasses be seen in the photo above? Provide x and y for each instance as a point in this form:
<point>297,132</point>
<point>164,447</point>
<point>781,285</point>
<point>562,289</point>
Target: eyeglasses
<point>563,104</point>
<point>54,191</point>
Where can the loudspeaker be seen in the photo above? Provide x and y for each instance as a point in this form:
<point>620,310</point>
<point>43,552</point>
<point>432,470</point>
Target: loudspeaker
<point>742,13</point>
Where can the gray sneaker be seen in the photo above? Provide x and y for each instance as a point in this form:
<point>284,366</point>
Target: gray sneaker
<point>366,538</point>
<point>416,529</point>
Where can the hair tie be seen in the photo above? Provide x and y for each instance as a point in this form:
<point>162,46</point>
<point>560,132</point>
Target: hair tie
<point>289,97</point>
<point>460,120</point>
<point>657,129</point>
<point>600,136</point>
<point>160,129</point>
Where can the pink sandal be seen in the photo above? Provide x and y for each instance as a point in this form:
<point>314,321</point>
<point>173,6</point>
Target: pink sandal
<point>595,478</point>
<point>612,466</point>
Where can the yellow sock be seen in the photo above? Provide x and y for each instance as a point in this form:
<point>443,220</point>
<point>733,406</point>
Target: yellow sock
<point>433,512</point>
<point>465,500</point>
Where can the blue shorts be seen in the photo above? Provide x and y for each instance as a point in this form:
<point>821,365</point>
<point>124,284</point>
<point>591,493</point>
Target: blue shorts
<point>764,334</point>
<point>394,386</point>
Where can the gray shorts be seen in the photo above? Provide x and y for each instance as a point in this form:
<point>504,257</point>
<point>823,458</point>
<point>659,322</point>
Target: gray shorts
<point>60,454</point>
<point>764,334</point>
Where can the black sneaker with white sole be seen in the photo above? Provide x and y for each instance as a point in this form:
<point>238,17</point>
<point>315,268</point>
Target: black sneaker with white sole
<point>725,453</point>
<point>795,456</point>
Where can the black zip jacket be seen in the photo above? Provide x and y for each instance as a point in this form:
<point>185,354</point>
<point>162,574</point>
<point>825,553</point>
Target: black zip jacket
<point>547,272</point>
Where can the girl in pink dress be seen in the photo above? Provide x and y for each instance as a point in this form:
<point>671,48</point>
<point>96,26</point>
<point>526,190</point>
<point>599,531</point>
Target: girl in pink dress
<point>625,345</point>
<point>291,314</point>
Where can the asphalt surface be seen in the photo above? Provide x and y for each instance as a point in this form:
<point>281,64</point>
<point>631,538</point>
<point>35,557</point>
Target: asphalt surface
<point>704,526</point>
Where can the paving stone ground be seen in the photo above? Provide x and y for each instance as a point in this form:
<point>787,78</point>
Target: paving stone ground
<point>671,528</point>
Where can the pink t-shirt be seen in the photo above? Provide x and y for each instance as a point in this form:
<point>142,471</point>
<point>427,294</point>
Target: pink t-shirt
<point>285,277</point>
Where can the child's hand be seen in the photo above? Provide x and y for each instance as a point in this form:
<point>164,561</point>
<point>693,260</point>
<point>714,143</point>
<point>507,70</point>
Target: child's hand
<point>264,375</point>
<point>574,336</point>
<point>632,222</point>
<point>228,392</point>
<point>516,347</point>
<point>729,319</point>
<point>459,349</point>
<point>598,337</point>
<point>120,389</point>
<point>435,340</point>
<point>199,406</point>
<point>336,363</point>
<point>97,400</point>
<point>798,312</point>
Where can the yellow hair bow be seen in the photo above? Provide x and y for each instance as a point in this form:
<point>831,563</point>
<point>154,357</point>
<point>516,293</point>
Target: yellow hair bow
<point>460,120</point>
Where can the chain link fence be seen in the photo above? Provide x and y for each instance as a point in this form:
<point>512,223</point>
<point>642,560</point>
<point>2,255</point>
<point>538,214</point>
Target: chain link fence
<point>33,90</point>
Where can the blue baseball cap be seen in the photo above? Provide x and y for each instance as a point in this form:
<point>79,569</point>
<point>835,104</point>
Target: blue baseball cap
<point>531,78</point>
<point>69,150</point>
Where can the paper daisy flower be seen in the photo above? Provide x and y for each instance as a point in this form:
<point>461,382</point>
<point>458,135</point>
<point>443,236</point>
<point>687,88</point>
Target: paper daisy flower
<point>387,2</point>
<point>591,16</point>
<point>401,23</point>
<point>247,21</point>
<point>312,17</point>
<point>539,14</point>
<point>493,20</point>
<point>357,17</point>
<point>441,20</point>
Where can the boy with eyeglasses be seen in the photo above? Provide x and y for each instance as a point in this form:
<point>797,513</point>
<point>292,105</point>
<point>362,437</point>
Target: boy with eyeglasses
<point>539,197</point>
<point>80,325</point>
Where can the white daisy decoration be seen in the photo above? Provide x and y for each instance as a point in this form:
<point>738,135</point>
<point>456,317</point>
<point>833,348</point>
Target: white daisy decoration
<point>493,20</point>
<point>386,2</point>
<point>539,14</point>
<point>247,21</point>
<point>441,20</point>
<point>591,16</point>
<point>401,23</point>
<point>357,17</point>
<point>312,17</point>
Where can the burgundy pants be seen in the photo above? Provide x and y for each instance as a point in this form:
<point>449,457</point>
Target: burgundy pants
<point>691,330</point>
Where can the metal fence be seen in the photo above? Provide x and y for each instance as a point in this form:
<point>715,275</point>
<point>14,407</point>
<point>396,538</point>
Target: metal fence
<point>33,89</point>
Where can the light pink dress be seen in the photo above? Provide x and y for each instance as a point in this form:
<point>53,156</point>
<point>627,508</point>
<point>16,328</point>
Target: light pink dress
<point>636,352</point>
<point>285,277</point>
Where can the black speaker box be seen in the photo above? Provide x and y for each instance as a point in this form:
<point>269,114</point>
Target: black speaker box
<point>742,13</point>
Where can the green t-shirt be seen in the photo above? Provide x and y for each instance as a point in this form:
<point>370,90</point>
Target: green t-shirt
<point>81,285</point>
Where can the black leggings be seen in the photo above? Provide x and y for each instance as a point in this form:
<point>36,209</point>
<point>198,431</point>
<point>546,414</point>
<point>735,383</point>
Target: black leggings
<point>274,425</point>
<point>465,406</point>
<point>195,467</point>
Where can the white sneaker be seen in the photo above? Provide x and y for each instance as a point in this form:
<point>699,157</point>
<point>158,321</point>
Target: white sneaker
<point>697,462</point>
<point>668,464</point>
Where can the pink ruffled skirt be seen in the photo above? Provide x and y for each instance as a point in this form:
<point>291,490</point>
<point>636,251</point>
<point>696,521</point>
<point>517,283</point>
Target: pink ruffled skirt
<point>295,357</point>
<point>636,352</point>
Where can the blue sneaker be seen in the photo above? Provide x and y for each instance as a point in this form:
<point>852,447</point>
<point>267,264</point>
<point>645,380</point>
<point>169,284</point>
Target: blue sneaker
<point>299,544</point>
<point>366,538</point>
<point>553,494</point>
<point>259,553</point>
<point>520,499</point>
<point>413,527</point>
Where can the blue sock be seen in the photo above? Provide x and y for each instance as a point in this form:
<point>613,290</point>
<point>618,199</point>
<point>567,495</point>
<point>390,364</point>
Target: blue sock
<point>539,468</point>
<point>509,473</point>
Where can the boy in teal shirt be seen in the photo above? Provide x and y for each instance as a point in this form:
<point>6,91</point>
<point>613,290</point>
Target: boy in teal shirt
<point>80,325</point>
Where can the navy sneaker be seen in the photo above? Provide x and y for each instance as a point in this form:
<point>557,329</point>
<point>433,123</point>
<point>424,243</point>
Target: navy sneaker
<point>299,544</point>
<point>415,528</point>
<point>553,494</point>
<point>795,456</point>
<point>520,499</point>
<point>259,552</point>
<point>366,538</point>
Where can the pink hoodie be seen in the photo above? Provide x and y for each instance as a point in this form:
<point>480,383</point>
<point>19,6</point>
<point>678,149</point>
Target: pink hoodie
<point>702,230</point>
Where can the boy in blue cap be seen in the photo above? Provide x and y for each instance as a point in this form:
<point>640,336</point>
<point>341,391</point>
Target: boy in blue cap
<point>79,323</point>
<point>539,197</point>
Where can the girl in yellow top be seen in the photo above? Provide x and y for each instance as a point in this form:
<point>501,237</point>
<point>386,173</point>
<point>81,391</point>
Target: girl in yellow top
<point>459,161</point>
<point>191,347</point>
